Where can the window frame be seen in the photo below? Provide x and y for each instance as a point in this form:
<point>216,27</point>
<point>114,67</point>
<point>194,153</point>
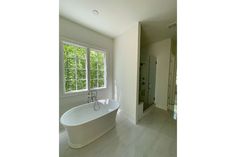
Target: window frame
<point>105,69</point>
<point>86,68</point>
<point>62,67</point>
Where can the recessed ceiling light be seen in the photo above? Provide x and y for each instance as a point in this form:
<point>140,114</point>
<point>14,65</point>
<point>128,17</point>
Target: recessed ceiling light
<point>95,12</point>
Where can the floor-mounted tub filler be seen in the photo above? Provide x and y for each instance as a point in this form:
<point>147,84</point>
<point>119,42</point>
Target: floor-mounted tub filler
<point>85,123</point>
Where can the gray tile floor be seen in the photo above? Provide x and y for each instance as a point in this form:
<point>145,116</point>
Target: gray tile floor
<point>154,136</point>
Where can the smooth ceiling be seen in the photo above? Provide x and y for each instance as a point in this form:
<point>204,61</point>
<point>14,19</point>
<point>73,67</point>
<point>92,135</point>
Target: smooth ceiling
<point>116,16</point>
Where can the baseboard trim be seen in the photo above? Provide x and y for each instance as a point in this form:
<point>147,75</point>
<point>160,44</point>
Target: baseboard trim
<point>148,110</point>
<point>160,107</point>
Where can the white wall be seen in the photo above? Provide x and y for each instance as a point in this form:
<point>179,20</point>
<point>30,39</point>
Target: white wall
<point>126,70</point>
<point>161,50</point>
<point>78,33</point>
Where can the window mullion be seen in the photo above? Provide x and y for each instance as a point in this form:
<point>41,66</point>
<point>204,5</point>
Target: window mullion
<point>97,71</point>
<point>67,65</point>
<point>76,77</point>
<point>105,70</point>
<point>88,69</point>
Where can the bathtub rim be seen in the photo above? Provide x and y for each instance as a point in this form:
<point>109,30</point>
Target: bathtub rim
<point>73,125</point>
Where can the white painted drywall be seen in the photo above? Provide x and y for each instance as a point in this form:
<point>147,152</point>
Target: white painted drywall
<point>161,50</point>
<point>126,70</point>
<point>78,33</point>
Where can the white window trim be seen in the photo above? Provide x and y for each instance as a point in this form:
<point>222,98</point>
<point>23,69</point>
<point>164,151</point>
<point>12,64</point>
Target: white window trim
<point>105,69</point>
<point>61,70</point>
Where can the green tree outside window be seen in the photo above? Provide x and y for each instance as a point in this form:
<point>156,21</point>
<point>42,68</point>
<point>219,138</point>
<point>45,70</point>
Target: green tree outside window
<point>75,68</point>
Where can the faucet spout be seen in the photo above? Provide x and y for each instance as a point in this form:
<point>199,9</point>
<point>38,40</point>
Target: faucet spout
<point>92,96</point>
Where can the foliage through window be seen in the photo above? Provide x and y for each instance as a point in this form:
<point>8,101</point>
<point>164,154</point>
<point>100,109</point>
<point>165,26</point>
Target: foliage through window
<point>96,69</point>
<point>77,69</point>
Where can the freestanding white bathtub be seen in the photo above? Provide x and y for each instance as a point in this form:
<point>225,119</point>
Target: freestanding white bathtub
<point>85,124</point>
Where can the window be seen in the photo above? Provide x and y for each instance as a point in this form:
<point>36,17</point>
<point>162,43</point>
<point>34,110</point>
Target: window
<point>82,64</point>
<point>74,68</point>
<point>97,73</point>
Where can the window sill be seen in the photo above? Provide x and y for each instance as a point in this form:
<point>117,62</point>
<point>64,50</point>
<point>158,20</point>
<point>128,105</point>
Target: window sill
<point>81,93</point>
<point>75,93</point>
<point>97,89</point>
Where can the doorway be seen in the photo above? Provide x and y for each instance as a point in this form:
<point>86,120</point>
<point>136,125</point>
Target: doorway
<point>147,81</point>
